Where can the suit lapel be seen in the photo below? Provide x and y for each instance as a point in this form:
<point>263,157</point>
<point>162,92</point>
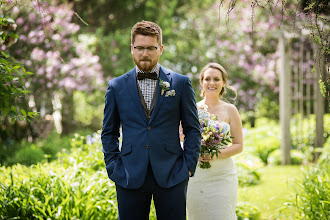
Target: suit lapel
<point>165,76</point>
<point>132,89</point>
<point>143,102</point>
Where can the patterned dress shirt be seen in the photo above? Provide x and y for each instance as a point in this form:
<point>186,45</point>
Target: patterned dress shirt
<point>148,86</point>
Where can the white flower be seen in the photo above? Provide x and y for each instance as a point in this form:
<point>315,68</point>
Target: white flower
<point>167,84</point>
<point>164,85</point>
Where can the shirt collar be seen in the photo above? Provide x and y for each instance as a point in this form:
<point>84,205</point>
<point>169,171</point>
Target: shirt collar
<point>155,69</point>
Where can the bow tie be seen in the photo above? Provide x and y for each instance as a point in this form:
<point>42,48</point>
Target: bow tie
<point>152,75</point>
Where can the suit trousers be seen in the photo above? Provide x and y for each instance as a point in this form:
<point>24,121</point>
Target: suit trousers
<point>170,203</point>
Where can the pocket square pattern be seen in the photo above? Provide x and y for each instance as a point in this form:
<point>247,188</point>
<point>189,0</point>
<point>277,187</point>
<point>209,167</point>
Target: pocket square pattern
<point>170,93</point>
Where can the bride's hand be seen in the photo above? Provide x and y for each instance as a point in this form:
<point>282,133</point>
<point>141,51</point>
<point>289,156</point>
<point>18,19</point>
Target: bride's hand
<point>204,158</point>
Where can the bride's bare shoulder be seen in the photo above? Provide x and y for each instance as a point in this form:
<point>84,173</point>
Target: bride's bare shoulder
<point>231,107</point>
<point>232,110</point>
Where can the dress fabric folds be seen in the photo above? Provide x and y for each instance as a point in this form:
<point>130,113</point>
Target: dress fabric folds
<point>212,193</point>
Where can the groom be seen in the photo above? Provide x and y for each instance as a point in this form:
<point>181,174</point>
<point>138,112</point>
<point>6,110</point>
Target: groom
<point>148,103</point>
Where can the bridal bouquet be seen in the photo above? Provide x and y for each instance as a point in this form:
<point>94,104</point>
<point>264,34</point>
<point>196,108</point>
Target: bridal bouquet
<point>214,135</point>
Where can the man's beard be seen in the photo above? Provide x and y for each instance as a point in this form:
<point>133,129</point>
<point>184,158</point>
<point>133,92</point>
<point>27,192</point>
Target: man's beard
<point>146,67</point>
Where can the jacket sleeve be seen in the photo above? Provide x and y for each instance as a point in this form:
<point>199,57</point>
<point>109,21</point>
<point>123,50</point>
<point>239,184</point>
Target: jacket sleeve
<point>110,131</point>
<point>190,126</point>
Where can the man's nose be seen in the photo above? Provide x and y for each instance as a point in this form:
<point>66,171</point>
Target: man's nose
<point>145,52</point>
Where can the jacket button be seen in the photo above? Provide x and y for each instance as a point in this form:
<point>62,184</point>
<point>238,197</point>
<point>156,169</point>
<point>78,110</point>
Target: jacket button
<point>146,147</point>
<point>149,127</point>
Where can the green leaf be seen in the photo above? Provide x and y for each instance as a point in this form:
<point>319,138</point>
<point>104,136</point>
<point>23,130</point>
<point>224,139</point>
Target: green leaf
<point>5,111</point>
<point>14,35</point>
<point>322,88</point>
<point>310,6</point>
<point>13,120</point>
<point>12,114</point>
<point>16,67</point>
<point>13,109</point>
<point>21,118</point>
<point>6,55</point>
<point>33,114</point>
<point>23,112</point>
<point>317,39</point>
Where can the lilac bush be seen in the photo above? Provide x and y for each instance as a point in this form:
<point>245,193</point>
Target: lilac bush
<point>47,46</point>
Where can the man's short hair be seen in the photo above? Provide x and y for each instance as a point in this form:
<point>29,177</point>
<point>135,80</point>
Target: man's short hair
<point>146,28</point>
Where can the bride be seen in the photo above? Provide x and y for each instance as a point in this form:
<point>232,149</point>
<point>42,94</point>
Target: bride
<point>212,193</point>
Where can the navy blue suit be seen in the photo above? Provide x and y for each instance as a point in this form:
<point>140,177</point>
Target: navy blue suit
<point>150,145</point>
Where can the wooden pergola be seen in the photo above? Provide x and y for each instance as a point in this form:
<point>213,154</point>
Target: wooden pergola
<point>288,79</point>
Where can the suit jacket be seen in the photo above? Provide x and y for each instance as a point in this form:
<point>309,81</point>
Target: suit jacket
<point>153,139</point>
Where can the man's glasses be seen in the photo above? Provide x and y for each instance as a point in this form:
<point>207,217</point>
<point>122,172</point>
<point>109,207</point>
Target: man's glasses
<point>150,49</point>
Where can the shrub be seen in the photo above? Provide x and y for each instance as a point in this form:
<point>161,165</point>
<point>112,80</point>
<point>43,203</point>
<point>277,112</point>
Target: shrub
<point>247,167</point>
<point>54,143</point>
<point>313,190</point>
<point>297,157</point>
<point>48,191</point>
<point>85,150</point>
<point>28,155</point>
<point>303,131</point>
<point>51,146</point>
<point>246,211</point>
<point>265,146</point>
<point>7,150</point>
<point>263,139</point>
<point>325,156</point>
<point>75,186</point>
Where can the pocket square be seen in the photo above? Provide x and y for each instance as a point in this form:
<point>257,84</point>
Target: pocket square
<point>170,93</point>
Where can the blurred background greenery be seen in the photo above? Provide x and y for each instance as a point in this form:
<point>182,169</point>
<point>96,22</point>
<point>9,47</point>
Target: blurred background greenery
<point>74,48</point>
<point>58,55</point>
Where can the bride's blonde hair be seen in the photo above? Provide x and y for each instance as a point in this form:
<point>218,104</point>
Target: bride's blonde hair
<point>224,75</point>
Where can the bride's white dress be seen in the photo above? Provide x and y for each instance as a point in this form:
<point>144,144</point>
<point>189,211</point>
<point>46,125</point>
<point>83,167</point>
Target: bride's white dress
<point>212,193</point>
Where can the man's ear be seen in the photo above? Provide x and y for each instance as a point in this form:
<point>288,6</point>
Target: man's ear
<point>161,49</point>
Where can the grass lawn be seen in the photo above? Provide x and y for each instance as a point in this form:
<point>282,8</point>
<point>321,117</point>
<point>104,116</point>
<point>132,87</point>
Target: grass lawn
<point>276,188</point>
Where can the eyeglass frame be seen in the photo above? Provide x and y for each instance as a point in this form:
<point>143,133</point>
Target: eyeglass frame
<point>149,49</point>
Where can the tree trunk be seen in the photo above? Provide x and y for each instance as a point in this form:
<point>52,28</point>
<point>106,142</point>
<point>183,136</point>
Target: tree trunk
<point>68,123</point>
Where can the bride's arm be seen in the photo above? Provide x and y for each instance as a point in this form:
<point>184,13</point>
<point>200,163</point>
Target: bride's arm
<point>235,123</point>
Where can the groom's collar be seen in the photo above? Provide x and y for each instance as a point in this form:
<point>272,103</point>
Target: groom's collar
<point>154,70</point>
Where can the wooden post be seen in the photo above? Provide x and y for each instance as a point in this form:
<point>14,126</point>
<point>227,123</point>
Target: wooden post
<point>319,101</point>
<point>300,119</point>
<point>285,105</point>
<point>308,87</point>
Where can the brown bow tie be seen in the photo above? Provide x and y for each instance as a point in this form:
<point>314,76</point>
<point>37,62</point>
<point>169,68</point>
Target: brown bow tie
<point>152,75</point>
